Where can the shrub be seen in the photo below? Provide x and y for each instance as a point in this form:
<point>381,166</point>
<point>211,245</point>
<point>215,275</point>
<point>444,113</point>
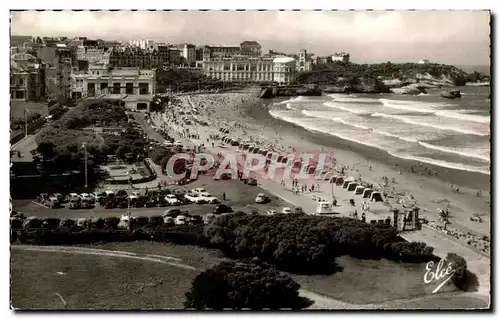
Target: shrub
<point>460,266</point>
<point>111,222</point>
<point>232,285</point>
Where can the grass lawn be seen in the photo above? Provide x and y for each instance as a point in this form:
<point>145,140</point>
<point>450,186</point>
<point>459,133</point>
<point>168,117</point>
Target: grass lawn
<point>371,281</point>
<point>98,282</point>
<point>17,109</point>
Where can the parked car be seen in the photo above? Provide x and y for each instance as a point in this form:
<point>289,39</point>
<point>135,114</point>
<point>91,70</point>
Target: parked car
<point>198,190</point>
<point>168,220</point>
<point>172,213</point>
<point>195,198</point>
<point>209,198</point>
<point>180,220</point>
<point>124,221</point>
<point>73,196</point>
<point>222,209</point>
<point>251,182</point>
<point>271,212</point>
<point>86,203</point>
<point>98,196</point>
<point>75,203</point>
<point>286,210</point>
<point>59,196</point>
<point>172,200</point>
<point>261,198</point>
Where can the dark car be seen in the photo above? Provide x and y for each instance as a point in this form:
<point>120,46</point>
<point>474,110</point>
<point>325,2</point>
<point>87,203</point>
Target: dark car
<point>251,181</point>
<point>222,209</point>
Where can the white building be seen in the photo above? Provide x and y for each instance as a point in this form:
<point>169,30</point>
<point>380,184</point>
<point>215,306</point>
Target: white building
<point>93,55</point>
<point>423,62</point>
<point>134,86</point>
<point>284,70</point>
<point>240,69</point>
<point>251,69</point>
<point>143,44</point>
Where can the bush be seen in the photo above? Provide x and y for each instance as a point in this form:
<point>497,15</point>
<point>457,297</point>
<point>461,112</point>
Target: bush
<point>309,244</point>
<point>232,285</point>
<point>459,264</point>
<point>111,222</point>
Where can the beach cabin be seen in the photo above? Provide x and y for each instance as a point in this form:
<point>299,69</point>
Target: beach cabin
<point>352,186</point>
<point>367,192</point>
<point>359,190</point>
<point>250,149</point>
<point>339,181</point>
<point>235,143</point>
<point>327,177</point>
<point>346,184</point>
<point>376,197</point>
<point>333,180</point>
<point>246,146</point>
<point>256,150</point>
<point>263,152</point>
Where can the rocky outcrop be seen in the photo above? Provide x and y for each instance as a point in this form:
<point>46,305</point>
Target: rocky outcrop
<point>453,94</point>
<point>412,89</point>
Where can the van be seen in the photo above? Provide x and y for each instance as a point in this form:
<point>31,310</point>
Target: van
<point>324,208</point>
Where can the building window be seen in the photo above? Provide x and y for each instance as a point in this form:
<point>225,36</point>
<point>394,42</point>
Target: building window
<point>129,88</point>
<point>116,88</point>
<point>143,88</point>
<point>91,89</point>
<point>19,95</point>
<point>142,106</point>
<point>104,86</point>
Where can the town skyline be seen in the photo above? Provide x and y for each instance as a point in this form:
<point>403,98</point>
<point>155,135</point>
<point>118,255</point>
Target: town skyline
<point>450,37</point>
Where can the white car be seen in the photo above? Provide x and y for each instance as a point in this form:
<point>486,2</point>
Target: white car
<point>171,199</point>
<point>209,198</point>
<point>74,197</point>
<point>198,190</point>
<point>180,220</point>
<point>168,220</point>
<point>195,198</point>
<point>286,210</point>
<point>124,222</point>
<point>178,143</point>
<point>271,212</point>
<point>261,198</point>
<point>85,196</point>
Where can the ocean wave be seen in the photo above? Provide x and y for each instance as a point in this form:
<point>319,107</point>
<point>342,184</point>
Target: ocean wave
<point>288,106</point>
<point>438,127</point>
<point>427,108</point>
<point>457,166</point>
<point>344,108</point>
<point>454,151</point>
<point>441,163</point>
<point>351,99</point>
<point>463,116</point>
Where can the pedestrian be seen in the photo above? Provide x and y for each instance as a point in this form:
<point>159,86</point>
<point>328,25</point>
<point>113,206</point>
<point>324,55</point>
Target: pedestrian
<point>363,217</point>
<point>223,196</point>
<point>317,187</point>
<point>312,188</point>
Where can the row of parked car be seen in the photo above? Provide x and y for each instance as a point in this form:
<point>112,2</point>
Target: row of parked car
<point>122,199</point>
<point>170,217</point>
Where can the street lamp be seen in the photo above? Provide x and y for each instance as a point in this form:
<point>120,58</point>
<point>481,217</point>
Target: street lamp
<point>84,145</point>
<point>129,212</point>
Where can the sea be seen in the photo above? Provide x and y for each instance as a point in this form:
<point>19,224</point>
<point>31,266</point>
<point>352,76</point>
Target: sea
<point>426,128</point>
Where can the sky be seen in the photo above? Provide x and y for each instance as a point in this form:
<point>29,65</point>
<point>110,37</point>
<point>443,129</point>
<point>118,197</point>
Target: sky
<point>451,37</point>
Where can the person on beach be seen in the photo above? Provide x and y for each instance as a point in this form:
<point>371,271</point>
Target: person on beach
<point>363,217</point>
<point>223,196</point>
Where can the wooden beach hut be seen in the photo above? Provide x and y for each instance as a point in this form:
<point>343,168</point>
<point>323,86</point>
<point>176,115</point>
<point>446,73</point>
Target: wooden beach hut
<point>346,184</point>
<point>339,181</point>
<point>352,186</point>
<point>376,197</point>
<point>367,192</point>
<point>250,149</point>
<point>359,190</point>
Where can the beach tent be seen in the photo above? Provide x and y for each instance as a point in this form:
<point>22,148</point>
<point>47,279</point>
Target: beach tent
<point>339,181</point>
<point>246,146</point>
<point>284,159</point>
<point>376,197</point>
<point>255,150</point>
<point>359,190</point>
<point>352,186</point>
<point>346,184</point>
<point>250,149</point>
<point>328,176</point>
<point>235,143</point>
<point>367,192</point>
<point>263,152</point>
<point>333,179</point>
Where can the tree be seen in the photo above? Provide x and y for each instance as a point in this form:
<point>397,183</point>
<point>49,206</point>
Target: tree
<point>231,285</point>
<point>458,264</point>
<point>47,150</point>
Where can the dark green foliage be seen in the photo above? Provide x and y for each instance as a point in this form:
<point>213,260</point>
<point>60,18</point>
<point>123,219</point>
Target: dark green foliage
<point>184,80</point>
<point>309,244</point>
<point>460,266</point>
<point>232,285</point>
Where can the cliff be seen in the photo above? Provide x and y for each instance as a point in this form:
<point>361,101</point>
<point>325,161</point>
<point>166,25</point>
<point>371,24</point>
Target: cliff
<point>406,78</point>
